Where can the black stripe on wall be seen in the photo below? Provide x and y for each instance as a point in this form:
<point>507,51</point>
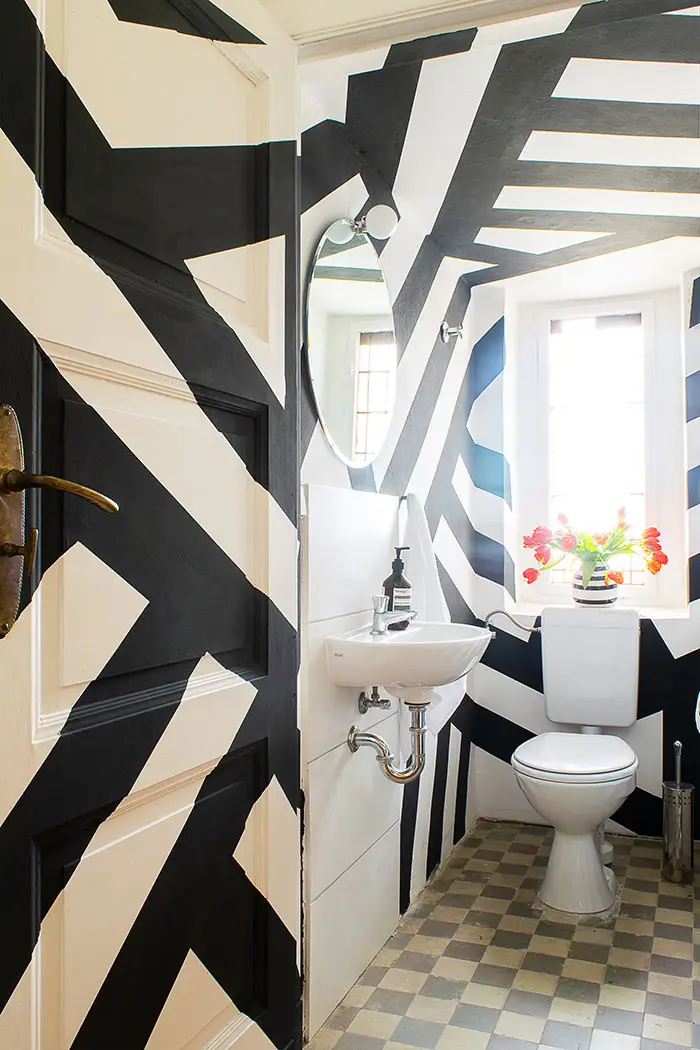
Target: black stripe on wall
<point>518,658</point>
<point>692,395</point>
<point>192,17</point>
<point>693,487</point>
<point>409,814</point>
<point>487,557</point>
<point>652,38</point>
<point>601,117</point>
<point>497,735</point>
<point>458,608</point>
<point>378,132</point>
<point>463,719</point>
<point>415,429</point>
<point>641,813</point>
<point>437,804</point>
<point>414,291</point>
<point>362,478</point>
<point>487,360</point>
<point>694,318</point>
<point>327,161</point>
<point>488,469</point>
<point>431,47</point>
<point>619,11</point>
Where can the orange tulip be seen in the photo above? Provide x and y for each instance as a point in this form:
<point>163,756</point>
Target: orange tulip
<point>601,538</point>
<point>660,558</point>
<point>528,541</point>
<point>531,575</point>
<point>543,554</point>
<point>542,535</point>
<point>650,534</point>
<point>653,567</point>
<point>568,542</point>
<point>651,545</point>
<point>614,577</point>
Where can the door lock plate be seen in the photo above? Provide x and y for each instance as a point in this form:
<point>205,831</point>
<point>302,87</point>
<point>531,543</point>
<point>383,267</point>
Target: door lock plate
<point>17,551</point>
<point>12,506</point>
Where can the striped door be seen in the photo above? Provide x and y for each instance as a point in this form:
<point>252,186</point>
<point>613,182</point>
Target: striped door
<point>149,831</point>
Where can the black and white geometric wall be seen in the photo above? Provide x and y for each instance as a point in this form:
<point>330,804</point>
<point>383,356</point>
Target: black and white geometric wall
<point>149,796</point>
<point>509,150</point>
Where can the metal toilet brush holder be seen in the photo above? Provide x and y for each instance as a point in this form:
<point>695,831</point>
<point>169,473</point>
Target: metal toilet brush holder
<point>679,858</point>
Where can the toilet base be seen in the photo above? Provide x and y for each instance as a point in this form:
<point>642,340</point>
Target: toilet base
<point>575,880</point>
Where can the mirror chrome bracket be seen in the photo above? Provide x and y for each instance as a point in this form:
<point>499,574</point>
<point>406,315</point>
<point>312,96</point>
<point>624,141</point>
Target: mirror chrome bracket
<point>448,331</point>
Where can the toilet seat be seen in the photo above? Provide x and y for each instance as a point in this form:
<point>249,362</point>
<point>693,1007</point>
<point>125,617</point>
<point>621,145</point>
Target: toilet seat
<point>575,758</point>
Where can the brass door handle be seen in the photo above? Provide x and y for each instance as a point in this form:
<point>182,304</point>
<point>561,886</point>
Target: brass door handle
<point>18,480</point>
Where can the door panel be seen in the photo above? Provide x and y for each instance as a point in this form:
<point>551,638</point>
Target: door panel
<point>149,785</point>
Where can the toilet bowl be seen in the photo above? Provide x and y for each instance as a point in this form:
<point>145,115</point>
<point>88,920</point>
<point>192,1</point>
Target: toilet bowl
<point>575,781</point>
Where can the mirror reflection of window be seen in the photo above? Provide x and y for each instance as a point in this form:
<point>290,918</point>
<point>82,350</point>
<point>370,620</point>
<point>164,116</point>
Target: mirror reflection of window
<point>351,347</point>
<point>374,391</point>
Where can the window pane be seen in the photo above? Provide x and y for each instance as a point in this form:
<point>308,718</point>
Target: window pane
<point>377,392</point>
<point>360,434</point>
<point>384,357</point>
<point>376,429</point>
<point>596,420</point>
<point>362,391</point>
<point>376,385</point>
<point>363,355</point>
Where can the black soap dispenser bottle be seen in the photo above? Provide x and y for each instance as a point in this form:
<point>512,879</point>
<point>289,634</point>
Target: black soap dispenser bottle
<point>398,590</point>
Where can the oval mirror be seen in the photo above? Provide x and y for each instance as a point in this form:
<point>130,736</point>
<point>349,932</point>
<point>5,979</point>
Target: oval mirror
<point>350,344</point>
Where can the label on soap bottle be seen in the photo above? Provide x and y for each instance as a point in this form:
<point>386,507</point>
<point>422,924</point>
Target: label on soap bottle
<point>401,599</point>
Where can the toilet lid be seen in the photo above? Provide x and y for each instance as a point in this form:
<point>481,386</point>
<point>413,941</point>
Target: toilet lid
<point>575,753</point>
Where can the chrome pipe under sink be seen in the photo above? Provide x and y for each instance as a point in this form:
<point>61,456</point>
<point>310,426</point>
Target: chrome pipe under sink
<point>416,760</point>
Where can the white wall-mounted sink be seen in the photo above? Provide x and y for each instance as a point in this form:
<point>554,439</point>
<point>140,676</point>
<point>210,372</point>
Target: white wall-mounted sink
<point>409,663</point>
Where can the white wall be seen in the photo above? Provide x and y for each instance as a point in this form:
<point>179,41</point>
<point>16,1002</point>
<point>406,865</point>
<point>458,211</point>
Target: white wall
<point>351,871</point>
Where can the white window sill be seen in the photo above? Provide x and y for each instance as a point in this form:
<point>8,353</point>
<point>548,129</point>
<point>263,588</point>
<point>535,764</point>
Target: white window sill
<point>646,612</point>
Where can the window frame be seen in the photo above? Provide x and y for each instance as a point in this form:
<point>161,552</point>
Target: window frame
<point>665,471</point>
<point>365,337</point>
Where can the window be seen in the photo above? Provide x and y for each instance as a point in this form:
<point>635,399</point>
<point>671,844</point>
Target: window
<point>600,426</point>
<point>374,391</point>
<point>596,427</point>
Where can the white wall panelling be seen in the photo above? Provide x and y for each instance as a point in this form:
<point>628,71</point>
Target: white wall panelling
<point>348,924</point>
<point>349,549</point>
<point>352,805</point>
<point>347,540</point>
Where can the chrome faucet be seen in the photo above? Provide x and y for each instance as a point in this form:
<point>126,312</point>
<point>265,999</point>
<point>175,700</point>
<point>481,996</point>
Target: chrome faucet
<point>382,618</point>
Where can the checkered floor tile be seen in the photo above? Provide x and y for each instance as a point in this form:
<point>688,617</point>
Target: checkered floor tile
<point>476,965</point>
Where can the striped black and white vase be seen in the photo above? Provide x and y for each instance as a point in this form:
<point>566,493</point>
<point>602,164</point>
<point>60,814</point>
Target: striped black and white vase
<point>598,592</point>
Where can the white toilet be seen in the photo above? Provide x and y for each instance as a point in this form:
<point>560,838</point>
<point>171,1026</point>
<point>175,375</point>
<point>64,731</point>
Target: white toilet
<point>576,780</point>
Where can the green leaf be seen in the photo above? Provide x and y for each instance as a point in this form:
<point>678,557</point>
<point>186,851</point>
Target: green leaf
<point>587,570</point>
